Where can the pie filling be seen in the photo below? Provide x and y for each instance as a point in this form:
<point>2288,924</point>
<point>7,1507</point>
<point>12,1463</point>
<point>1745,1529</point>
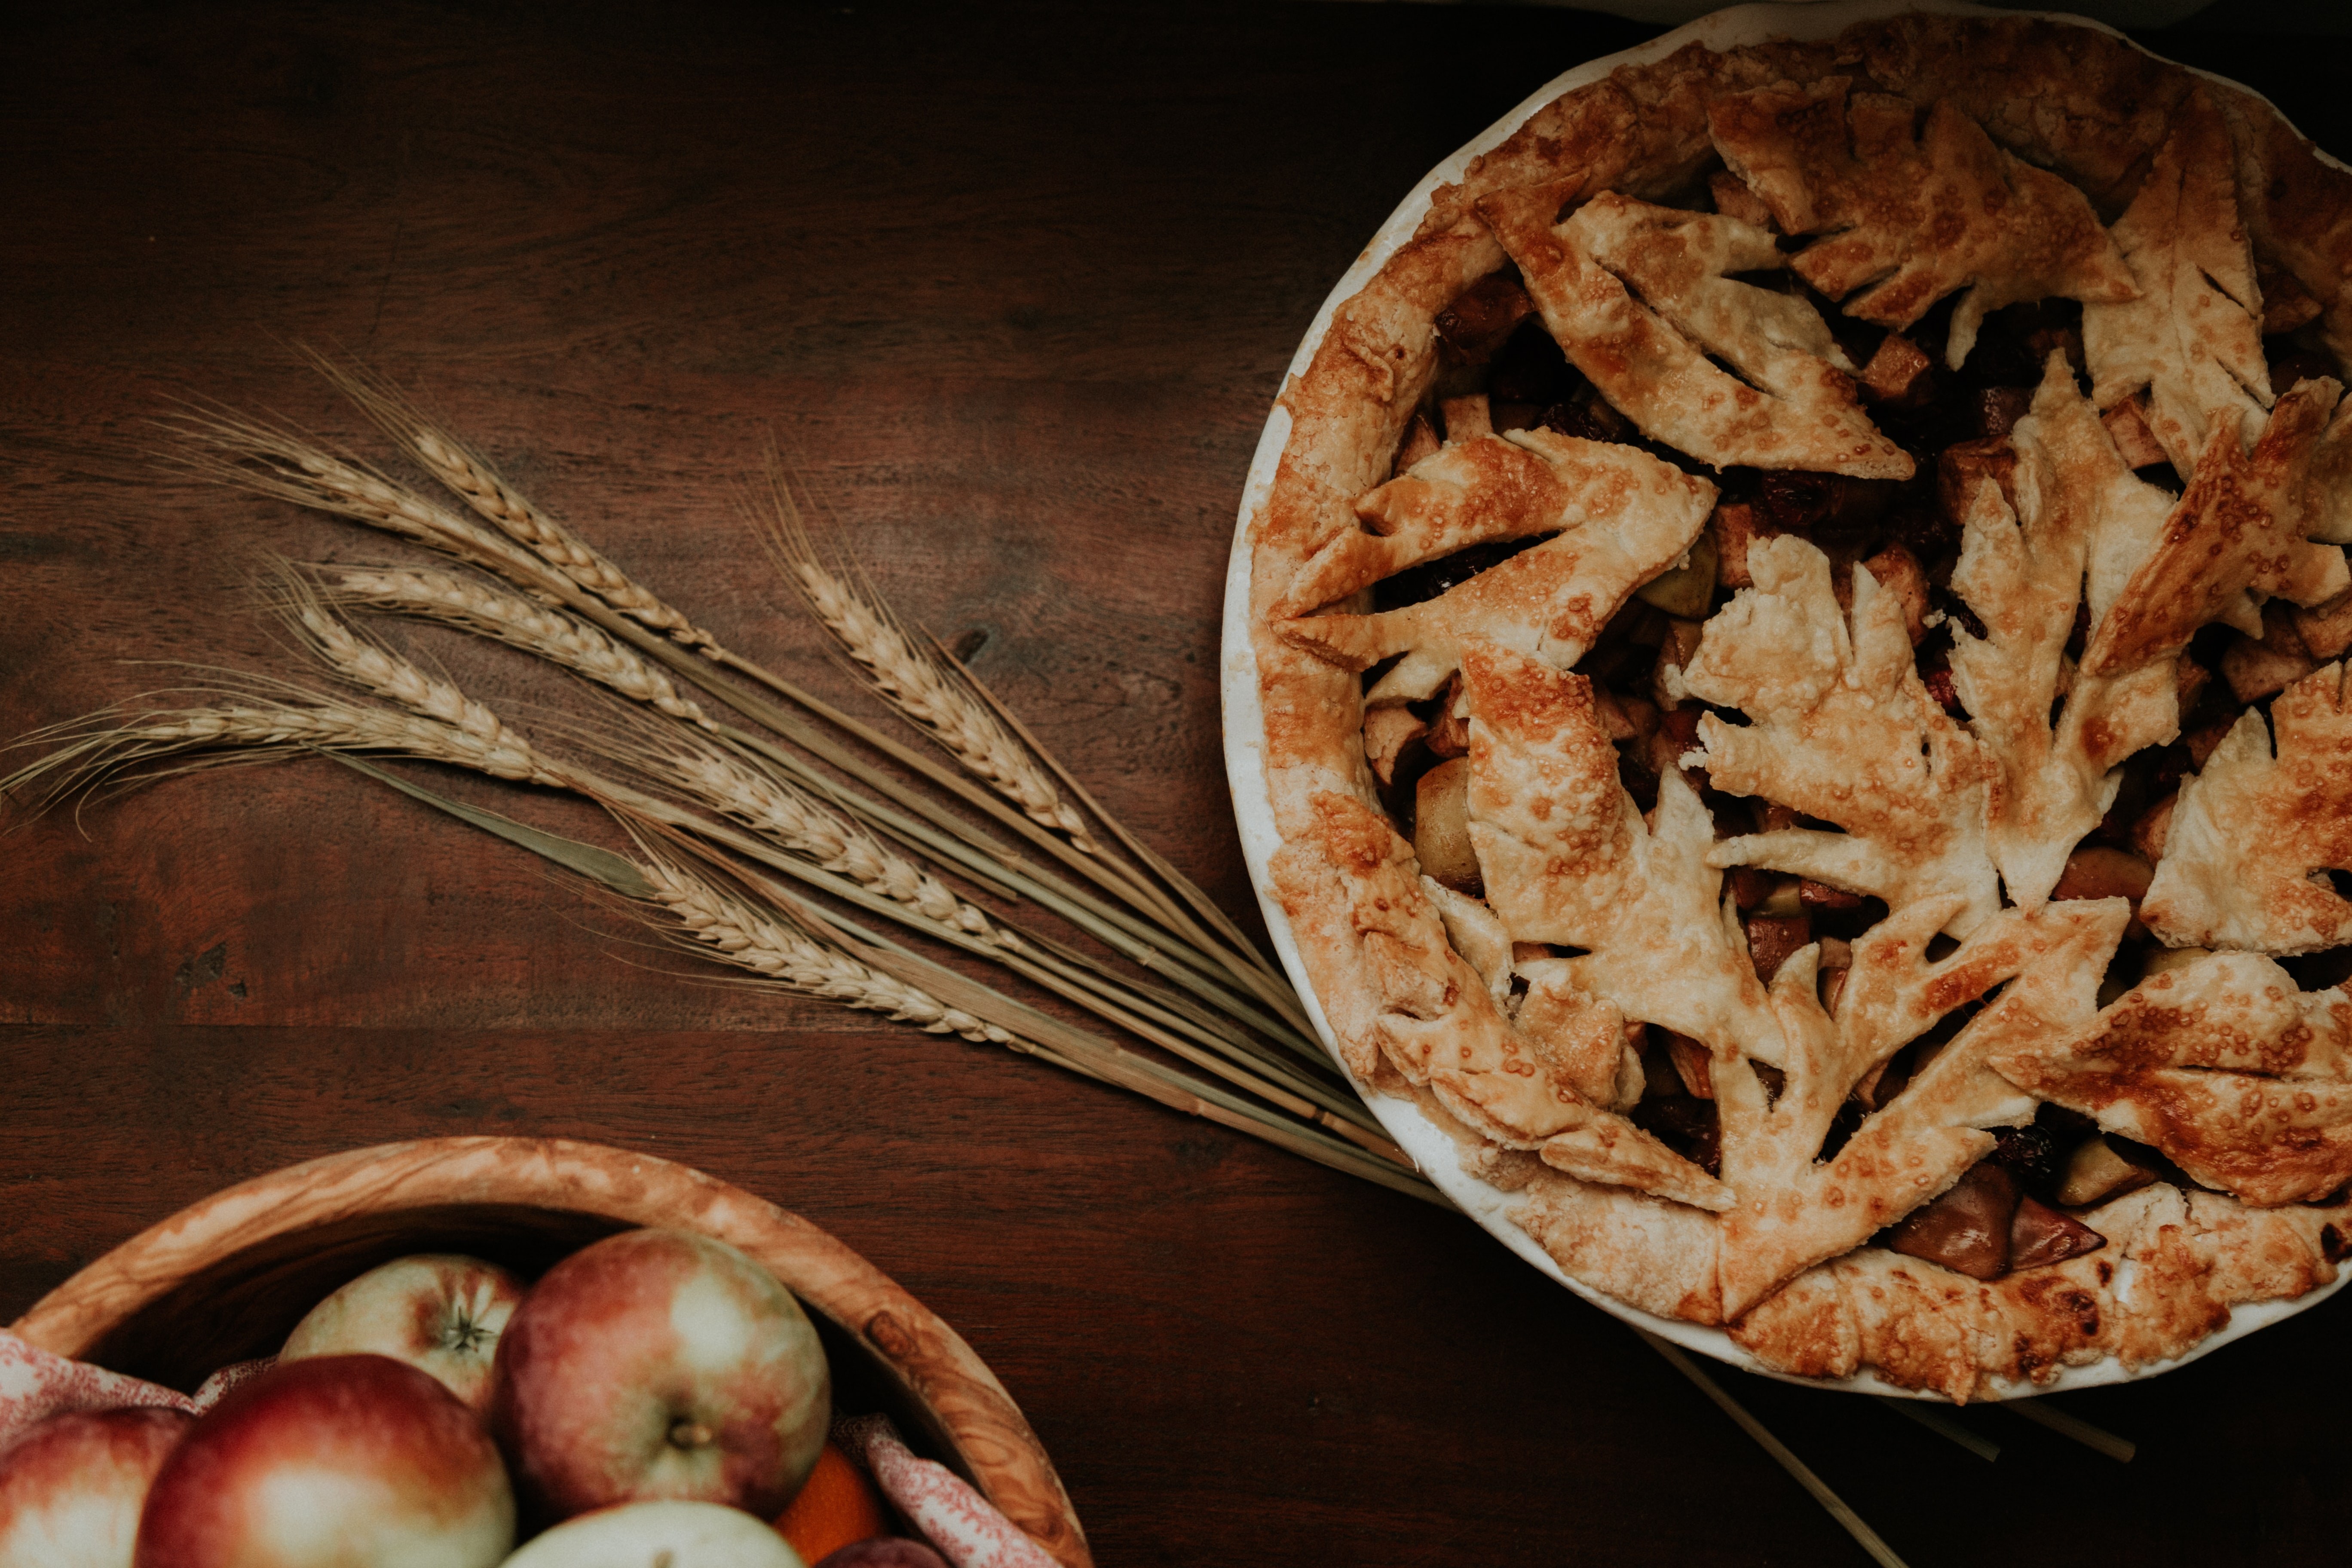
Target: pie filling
<point>1853,750</point>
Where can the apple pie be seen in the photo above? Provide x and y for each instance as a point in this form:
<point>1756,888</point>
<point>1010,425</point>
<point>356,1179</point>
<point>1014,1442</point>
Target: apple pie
<point>1801,624</point>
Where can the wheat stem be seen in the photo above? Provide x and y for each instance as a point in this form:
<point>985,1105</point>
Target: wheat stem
<point>726,785</point>
<point>1136,1019</point>
<point>272,462</point>
<point>645,819</point>
<point>1132,938</point>
<point>757,800</point>
<point>278,464</point>
<point>1144,1076</point>
<point>1174,1011</point>
<point>1242,948</point>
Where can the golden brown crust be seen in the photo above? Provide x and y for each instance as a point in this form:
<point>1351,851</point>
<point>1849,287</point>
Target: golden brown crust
<point>1843,729</point>
<point>2078,102</point>
<point>1795,1209</point>
<point>2243,1081</point>
<point>2079,511</point>
<point>1907,214</point>
<point>2240,530</point>
<point>1623,516</point>
<point>1569,860</point>
<point>2075,100</point>
<point>1646,1252</point>
<point>1639,298</point>
<point>2251,829</point>
<point>2193,339</point>
<point>2172,1269</point>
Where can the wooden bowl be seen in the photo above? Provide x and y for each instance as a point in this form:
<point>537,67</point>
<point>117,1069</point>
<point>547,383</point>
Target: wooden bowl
<point>227,1279</point>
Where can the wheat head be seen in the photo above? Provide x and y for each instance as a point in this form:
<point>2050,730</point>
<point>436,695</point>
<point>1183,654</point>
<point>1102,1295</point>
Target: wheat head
<point>374,668</point>
<point>471,478</point>
<point>783,952</point>
<point>807,827</point>
<point>915,683</point>
<point>106,742</point>
<point>275,463</point>
<point>454,600</point>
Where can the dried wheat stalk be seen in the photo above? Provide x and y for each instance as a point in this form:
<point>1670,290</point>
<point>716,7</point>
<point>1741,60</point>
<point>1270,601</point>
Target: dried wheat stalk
<point>372,668</point>
<point>476,606</point>
<point>805,826</point>
<point>273,462</point>
<point>268,461</point>
<point>116,738</point>
<point>721,781</point>
<point>472,478</point>
<point>769,947</point>
<point>915,683</point>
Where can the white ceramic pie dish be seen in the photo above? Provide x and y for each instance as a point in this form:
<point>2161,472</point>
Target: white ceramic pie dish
<point>1431,1147</point>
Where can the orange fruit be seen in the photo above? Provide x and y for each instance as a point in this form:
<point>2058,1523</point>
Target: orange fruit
<point>835,1506</point>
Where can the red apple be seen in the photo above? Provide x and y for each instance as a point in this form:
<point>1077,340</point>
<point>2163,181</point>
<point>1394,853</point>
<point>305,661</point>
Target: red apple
<point>345,1461</point>
<point>658,1364</point>
<point>676,1534</point>
<point>71,1487</point>
<point>436,1311</point>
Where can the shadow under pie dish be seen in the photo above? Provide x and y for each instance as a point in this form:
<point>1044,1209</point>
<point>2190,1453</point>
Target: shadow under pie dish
<point>1784,692</point>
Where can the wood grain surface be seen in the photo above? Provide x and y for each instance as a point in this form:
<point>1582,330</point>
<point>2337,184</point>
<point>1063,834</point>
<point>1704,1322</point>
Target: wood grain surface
<point>1014,285</point>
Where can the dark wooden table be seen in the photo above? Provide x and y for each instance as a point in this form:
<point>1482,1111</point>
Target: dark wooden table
<point>1017,285</point>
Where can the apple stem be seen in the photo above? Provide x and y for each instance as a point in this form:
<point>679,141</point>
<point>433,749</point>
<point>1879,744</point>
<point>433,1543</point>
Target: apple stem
<point>691,1435</point>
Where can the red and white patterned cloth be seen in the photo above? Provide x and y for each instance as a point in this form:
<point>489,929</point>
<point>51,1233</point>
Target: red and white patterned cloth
<point>964,1525</point>
<point>35,1384</point>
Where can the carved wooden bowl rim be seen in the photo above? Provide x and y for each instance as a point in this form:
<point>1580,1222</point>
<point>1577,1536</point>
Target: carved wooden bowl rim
<point>973,1413</point>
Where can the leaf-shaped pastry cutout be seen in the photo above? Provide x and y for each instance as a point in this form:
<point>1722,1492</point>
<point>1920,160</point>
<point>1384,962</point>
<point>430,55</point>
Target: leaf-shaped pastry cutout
<point>2194,336</point>
<point>1842,728</point>
<point>2251,834</point>
<point>1612,1151</point>
<point>1796,1210</point>
<point>1472,930</point>
<point>1568,859</point>
<point>1638,298</point>
<point>1434,1018</point>
<point>1578,1036</point>
<point>1489,490</point>
<point>2242,1080</point>
<point>1627,516</point>
<point>2238,530</point>
<point>1907,218</point>
<point>2078,509</point>
<point>1434,1021</point>
<point>2325,500</point>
